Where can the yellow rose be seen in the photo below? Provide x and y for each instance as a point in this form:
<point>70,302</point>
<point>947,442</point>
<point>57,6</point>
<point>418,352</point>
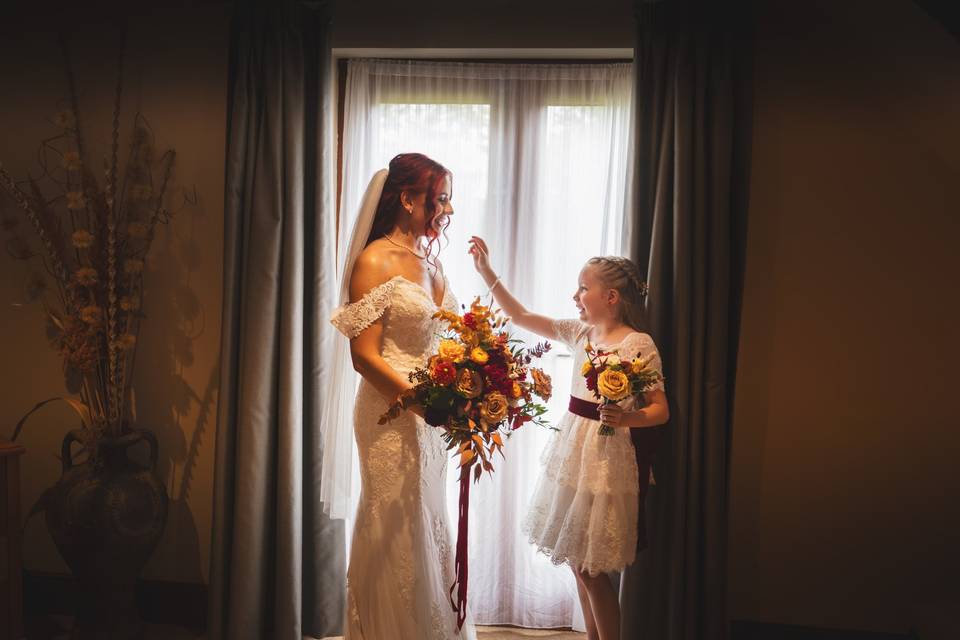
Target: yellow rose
<point>516,391</point>
<point>613,385</point>
<point>469,384</point>
<point>451,350</point>
<point>493,409</point>
<point>586,368</point>
<point>479,356</point>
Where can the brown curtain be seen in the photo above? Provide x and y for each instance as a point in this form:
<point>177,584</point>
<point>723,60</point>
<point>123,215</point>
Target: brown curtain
<point>277,568</point>
<point>691,170</point>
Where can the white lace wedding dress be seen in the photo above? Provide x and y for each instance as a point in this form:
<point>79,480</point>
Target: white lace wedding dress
<point>401,558</point>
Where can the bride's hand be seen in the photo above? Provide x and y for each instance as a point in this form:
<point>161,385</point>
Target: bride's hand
<point>481,255</point>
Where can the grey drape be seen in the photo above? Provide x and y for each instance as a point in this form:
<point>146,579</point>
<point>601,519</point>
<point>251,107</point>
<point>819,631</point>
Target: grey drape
<point>692,125</point>
<point>277,568</point>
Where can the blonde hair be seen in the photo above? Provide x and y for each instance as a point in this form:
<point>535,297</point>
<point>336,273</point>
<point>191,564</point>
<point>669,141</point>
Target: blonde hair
<point>623,274</point>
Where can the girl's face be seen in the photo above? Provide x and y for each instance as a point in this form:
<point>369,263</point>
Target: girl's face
<point>595,301</point>
<point>420,213</point>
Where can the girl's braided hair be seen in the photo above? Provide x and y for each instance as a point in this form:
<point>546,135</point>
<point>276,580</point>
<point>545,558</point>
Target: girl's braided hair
<point>623,274</point>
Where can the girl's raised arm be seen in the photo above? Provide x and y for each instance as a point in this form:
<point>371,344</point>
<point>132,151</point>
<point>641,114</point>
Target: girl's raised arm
<point>539,324</point>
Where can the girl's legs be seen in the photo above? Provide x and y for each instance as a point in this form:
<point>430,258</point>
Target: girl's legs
<point>592,632</point>
<point>604,604</point>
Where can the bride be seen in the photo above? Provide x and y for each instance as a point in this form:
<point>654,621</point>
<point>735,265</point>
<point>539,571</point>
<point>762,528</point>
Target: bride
<point>400,567</point>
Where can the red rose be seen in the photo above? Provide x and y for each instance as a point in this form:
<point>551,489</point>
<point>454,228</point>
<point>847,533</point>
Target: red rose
<point>470,320</point>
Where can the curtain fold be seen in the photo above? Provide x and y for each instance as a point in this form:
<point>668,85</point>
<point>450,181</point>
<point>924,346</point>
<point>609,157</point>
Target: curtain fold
<point>691,164</point>
<point>277,565</point>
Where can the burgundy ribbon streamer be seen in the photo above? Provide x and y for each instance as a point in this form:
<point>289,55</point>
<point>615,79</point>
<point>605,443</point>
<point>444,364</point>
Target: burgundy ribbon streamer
<point>460,606</point>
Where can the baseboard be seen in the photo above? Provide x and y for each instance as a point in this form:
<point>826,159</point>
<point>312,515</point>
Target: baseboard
<point>748,630</point>
<point>177,603</point>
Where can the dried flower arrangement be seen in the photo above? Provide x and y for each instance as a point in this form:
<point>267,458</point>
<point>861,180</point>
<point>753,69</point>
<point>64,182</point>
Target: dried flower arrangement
<point>93,245</point>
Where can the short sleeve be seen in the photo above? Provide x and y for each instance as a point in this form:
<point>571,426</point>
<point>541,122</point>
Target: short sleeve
<point>351,319</point>
<point>569,332</point>
<point>641,345</point>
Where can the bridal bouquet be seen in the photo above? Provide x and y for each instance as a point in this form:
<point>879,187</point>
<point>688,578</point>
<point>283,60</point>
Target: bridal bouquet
<point>477,386</point>
<point>612,379</point>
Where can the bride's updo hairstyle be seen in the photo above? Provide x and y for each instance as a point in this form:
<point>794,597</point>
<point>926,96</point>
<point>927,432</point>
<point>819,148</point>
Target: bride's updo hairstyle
<point>416,174</point>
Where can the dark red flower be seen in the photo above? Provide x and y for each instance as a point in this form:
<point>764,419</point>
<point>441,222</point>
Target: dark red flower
<point>592,380</point>
<point>443,372</point>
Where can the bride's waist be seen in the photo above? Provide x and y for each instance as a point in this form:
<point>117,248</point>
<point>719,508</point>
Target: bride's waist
<point>403,362</point>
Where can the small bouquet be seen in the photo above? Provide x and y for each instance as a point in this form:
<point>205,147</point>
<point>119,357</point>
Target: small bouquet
<point>478,385</point>
<point>612,379</point>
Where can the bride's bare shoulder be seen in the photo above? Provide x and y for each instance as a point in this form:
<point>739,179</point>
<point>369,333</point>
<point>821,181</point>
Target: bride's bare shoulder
<point>375,265</point>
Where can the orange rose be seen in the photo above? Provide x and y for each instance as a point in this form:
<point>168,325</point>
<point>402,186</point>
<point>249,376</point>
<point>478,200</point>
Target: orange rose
<point>469,384</point>
<point>542,384</point>
<point>494,408</point>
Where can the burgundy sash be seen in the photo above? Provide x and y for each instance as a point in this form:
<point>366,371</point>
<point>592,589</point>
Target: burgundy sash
<point>584,408</point>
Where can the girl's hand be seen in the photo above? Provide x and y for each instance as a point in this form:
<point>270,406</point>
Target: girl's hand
<point>611,415</point>
<point>481,256</point>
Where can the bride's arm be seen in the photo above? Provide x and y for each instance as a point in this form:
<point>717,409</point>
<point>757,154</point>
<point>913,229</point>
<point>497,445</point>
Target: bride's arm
<point>539,324</point>
<point>369,272</point>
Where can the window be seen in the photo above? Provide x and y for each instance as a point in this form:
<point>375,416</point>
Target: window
<point>539,156</point>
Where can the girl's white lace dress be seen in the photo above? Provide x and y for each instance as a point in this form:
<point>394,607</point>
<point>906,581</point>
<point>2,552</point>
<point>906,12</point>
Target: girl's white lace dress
<point>584,509</point>
<point>401,561</point>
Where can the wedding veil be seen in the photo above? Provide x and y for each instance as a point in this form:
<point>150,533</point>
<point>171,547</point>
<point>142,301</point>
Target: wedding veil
<point>336,420</point>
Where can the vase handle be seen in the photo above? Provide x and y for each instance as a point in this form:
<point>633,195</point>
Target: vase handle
<point>151,439</point>
<point>66,453</point>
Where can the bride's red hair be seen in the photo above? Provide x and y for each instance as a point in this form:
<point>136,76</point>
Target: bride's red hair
<point>414,173</point>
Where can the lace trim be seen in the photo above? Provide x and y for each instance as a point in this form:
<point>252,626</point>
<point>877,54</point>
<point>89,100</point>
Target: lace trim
<point>351,319</point>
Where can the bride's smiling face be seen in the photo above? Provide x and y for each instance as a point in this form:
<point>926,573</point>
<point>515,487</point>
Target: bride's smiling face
<point>420,214</point>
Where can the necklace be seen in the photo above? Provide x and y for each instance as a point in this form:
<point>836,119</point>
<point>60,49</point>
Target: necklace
<point>403,246</point>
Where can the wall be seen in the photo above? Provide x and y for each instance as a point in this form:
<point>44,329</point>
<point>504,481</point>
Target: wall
<point>181,90</point>
<point>844,486</point>
<point>493,24</point>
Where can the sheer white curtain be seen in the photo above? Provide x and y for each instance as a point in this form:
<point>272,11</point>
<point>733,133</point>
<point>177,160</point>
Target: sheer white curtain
<point>539,156</point>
